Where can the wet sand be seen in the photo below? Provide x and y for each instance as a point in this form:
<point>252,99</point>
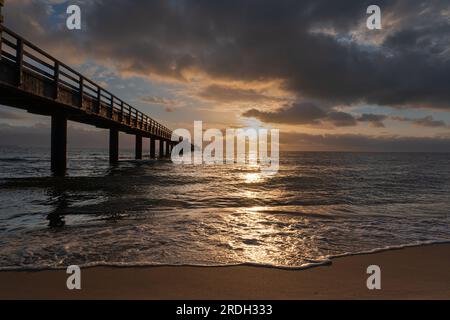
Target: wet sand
<point>410,273</point>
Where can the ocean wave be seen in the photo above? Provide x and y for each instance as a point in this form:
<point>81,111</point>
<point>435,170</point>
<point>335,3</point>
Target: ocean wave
<point>327,260</point>
<point>146,213</point>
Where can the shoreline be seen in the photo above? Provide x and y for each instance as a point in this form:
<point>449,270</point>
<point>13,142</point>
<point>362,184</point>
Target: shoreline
<point>411,272</point>
<point>328,261</point>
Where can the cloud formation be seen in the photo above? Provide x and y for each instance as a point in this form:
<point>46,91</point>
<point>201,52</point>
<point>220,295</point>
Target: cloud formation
<point>310,113</point>
<point>317,49</point>
<point>39,135</point>
<point>375,120</point>
<point>318,53</point>
<point>303,113</point>
<point>427,121</point>
<point>299,113</point>
<point>219,93</point>
<point>363,143</point>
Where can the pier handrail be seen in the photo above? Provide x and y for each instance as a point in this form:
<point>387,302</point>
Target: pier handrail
<point>25,54</point>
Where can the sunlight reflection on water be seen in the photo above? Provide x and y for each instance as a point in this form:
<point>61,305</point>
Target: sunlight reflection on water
<point>153,212</point>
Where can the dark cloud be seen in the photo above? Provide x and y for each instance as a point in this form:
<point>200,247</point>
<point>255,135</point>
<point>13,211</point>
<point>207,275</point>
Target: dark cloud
<point>303,113</point>
<point>341,119</point>
<point>309,113</point>
<point>375,120</point>
<point>159,101</point>
<point>167,103</point>
<point>354,142</point>
<point>228,94</point>
<point>257,40</point>
<point>300,113</point>
<point>427,121</point>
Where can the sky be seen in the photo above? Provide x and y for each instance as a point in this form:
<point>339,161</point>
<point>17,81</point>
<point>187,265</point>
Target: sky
<point>309,68</point>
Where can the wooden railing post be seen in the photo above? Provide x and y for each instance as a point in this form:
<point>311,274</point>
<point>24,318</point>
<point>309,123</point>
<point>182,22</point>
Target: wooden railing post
<point>121,111</point>
<point>1,27</point>
<point>19,53</point>
<point>56,79</point>
<point>99,100</point>
<point>111,107</point>
<point>2,2</point>
<point>81,91</point>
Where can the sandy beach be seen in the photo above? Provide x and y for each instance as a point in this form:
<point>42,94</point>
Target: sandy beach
<point>410,273</point>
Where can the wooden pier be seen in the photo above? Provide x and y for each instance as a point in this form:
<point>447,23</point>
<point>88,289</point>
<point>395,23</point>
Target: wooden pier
<point>33,80</point>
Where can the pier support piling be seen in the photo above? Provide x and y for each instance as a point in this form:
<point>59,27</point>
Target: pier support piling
<point>138,148</point>
<point>152,148</point>
<point>167,149</point>
<point>113,145</point>
<point>59,144</point>
<point>161,148</point>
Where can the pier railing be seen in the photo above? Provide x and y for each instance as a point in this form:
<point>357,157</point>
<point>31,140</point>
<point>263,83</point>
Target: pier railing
<point>40,73</point>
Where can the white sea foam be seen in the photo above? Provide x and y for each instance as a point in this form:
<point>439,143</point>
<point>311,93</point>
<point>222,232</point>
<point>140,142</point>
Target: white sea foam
<point>326,261</point>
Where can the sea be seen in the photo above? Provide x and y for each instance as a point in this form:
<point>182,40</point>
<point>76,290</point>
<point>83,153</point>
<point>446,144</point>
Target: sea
<point>152,212</point>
